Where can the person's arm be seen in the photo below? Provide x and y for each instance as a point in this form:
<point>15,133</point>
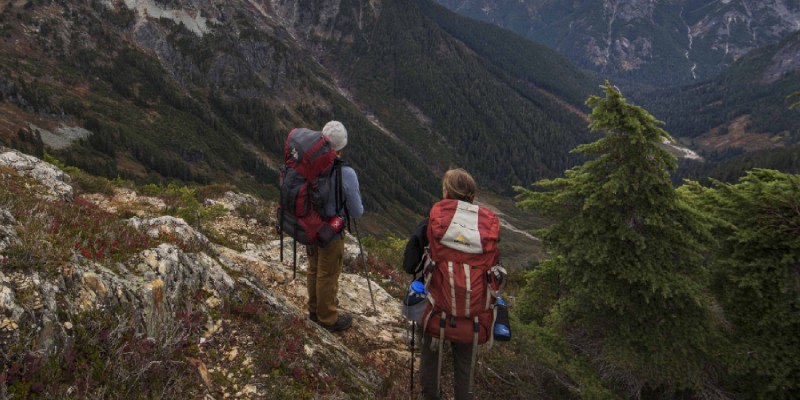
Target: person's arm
<point>352,192</point>
<point>415,248</point>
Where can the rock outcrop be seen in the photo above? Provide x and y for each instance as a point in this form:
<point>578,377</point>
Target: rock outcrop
<point>185,270</point>
<point>8,235</point>
<point>785,60</point>
<point>52,178</point>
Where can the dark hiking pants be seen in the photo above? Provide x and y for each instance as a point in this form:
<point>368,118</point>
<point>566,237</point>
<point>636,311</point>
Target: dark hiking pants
<point>429,362</point>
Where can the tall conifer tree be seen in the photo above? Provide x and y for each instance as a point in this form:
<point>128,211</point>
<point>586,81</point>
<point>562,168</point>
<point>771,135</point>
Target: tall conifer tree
<point>628,253</point>
<point>756,277</point>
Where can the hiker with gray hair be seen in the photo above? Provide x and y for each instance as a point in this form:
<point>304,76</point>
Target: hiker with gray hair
<point>325,262</point>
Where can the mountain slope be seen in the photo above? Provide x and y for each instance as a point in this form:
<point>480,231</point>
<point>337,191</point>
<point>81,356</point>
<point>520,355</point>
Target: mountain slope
<point>739,120</point>
<point>206,92</point>
<point>456,102</point>
<point>663,42</point>
<point>99,303</point>
<point>161,101</point>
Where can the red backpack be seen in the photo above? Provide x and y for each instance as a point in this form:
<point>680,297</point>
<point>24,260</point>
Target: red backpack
<point>306,182</point>
<point>463,249</point>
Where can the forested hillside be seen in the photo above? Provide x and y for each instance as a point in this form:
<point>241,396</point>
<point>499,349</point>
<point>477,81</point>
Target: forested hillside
<point>178,104</point>
<point>208,91</point>
<point>461,92</point>
<point>739,120</point>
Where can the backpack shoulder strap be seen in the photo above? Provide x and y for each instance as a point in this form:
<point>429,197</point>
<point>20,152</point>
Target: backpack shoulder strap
<point>339,195</point>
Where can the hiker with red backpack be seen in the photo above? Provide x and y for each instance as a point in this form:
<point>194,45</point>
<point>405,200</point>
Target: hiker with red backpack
<point>319,193</point>
<point>456,250</point>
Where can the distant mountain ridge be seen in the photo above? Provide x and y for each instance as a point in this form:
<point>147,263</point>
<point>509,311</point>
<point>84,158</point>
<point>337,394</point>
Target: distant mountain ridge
<point>717,72</point>
<point>661,42</point>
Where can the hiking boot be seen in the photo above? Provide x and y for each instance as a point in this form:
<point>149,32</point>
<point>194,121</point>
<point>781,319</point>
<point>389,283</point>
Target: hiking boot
<point>343,323</point>
<point>313,317</point>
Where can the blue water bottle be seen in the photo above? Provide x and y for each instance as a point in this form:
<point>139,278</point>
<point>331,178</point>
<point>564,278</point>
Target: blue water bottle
<point>502,328</point>
<point>415,301</point>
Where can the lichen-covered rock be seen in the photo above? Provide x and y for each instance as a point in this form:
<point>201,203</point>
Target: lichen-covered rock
<point>125,199</point>
<point>28,302</point>
<point>232,200</point>
<point>170,227</point>
<point>8,302</point>
<point>177,268</point>
<point>8,234</point>
<point>53,178</point>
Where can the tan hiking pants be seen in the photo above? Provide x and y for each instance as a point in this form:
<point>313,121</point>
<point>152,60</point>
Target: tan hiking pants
<point>324,268</point>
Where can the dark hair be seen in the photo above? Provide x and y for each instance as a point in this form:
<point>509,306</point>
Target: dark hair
<point>459,185</point>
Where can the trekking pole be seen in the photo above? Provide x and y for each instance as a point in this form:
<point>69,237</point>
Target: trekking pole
<point>294,262</point>
<point>413,336</point>
<point>281,247</point>
<point>366,271</point>
<point>411,382</point>
<point>280,226</point>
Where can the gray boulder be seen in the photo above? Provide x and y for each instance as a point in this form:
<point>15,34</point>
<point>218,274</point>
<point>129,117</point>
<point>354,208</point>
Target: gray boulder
<point>51,177</point>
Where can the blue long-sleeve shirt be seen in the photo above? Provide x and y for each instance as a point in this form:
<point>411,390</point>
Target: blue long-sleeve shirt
<point>352,194</point>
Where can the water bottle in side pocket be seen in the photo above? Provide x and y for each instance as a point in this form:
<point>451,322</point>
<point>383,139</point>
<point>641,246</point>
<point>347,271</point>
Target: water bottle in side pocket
<point>415,301</point>
<point>502,328</point>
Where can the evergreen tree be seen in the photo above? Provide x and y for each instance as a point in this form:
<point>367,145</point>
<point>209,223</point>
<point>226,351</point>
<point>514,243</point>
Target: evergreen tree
<point>756,277</point>
<point>628,254</point>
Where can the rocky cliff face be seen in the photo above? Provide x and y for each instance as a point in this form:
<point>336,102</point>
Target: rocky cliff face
<point>163,308</point>
<point>268,42</point>
<point>785,61</point>
<point>662,42</point>
<point>245,42</point>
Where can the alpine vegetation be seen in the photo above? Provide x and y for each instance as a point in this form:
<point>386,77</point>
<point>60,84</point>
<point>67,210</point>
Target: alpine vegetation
<point>627,252</point>
<point>655,292</point>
